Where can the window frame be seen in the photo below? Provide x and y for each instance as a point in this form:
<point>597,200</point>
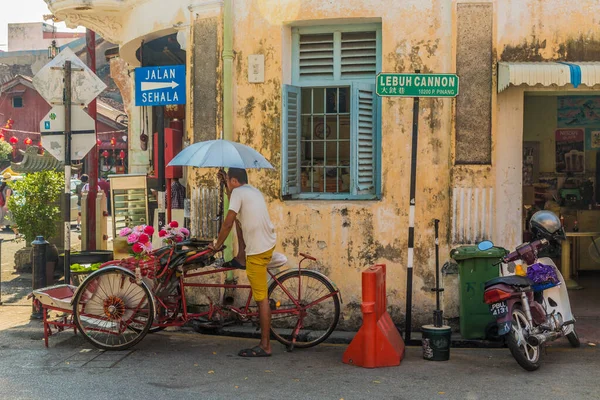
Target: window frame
<point>337,81</point>
<point>13,101</point>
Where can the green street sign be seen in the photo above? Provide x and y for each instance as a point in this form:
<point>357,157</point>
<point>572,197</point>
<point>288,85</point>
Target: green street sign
<point>417,85</point>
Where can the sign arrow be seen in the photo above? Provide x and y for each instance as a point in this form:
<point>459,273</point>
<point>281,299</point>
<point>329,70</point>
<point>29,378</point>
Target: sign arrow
<point>158,85</point>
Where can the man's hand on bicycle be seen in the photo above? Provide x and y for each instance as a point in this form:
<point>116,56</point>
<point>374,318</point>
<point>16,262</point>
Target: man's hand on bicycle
<point>214,248</point>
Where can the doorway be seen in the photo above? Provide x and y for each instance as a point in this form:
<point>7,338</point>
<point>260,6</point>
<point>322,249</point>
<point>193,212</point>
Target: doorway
<point>560,173</point>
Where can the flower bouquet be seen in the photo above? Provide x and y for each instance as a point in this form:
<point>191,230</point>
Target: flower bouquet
<point>172,234</point>
<point>139,240</point>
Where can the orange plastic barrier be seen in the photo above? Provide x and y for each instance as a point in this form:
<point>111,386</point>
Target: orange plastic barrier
<point>377,343</point>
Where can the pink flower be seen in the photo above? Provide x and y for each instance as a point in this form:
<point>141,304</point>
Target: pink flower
<point>178,239</point>
<point>125,231</point>
<point>148,230</point>
<point>143,238</point>
<point>139,228</point>
<point>137,248</point>
<point>173,224</point>
<point>133,238</point>
<point>184,232</point>
<point>162,233</point>
<point>147,247</point>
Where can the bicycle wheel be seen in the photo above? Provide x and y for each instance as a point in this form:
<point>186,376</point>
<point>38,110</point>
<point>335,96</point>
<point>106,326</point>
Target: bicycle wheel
<point>313,319</point>
<point>168,308</point>
<point>111,310</point>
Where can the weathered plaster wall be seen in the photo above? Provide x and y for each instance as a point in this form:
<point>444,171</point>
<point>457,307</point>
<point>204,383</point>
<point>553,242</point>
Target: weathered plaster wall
<point>349,236</point>
<point>537,30</point>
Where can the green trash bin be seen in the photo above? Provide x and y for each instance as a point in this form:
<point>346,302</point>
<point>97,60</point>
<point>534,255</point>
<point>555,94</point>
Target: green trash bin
<point>475,268</point>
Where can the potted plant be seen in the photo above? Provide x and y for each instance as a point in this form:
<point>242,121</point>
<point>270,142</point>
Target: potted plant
<point>34,209</point>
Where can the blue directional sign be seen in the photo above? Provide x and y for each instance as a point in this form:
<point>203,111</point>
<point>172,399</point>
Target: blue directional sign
<point>160,86</point>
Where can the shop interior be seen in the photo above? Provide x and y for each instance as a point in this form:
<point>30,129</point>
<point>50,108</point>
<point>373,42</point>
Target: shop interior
<point>561,173</point>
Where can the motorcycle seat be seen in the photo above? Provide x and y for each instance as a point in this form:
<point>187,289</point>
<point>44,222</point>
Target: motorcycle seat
<point>513,280</point>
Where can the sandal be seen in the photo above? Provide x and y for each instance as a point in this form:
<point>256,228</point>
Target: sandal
<point>256,351</point>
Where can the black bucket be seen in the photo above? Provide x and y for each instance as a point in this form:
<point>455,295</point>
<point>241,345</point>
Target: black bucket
<point>436,342</point>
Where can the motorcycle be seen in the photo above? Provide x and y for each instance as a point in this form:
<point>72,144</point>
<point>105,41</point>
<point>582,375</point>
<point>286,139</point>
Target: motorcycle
<point>530,313</point>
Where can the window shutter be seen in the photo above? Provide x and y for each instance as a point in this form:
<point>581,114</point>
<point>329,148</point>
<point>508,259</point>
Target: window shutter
<point>316,56</point>
<point>364,129</point>
<point>291,140</point>
<point>359,54</point>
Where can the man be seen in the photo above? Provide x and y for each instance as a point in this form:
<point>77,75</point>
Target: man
<point>247,204</point>
<point>177,194</point>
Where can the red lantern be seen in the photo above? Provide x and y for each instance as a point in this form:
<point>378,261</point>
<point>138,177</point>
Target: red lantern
<point>13,140</point>
<point>122,155</point>
<point>113,141</point>
<point>2,136</point>
<point>98,142</point>
<point>105,154</point>
<point>10,122</point>
<point>28,142</point>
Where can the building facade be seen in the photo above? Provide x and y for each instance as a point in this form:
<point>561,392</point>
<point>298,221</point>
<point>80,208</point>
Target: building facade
<point>295,80</point>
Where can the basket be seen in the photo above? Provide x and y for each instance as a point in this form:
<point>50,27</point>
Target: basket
<point>149,267</point>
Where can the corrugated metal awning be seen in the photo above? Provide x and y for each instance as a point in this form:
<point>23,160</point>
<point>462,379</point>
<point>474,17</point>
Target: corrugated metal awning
<point>548,73</point>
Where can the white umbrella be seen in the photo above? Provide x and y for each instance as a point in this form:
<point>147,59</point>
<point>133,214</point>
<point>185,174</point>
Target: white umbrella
<point>220,154</point>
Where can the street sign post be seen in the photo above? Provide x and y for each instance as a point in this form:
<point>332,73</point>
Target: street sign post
<point>160,86</point>
<point>52,128</point>
<point>417,85</point>
<point>49,81</point>
<point>63,82</point>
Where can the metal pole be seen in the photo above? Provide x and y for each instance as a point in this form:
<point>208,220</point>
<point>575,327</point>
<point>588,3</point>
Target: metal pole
<point>160,124</point>
<point>92,156</point>
<point>67,194</point>
<point>438,314</point>
<point>411,218</point>
<point>38,271</point>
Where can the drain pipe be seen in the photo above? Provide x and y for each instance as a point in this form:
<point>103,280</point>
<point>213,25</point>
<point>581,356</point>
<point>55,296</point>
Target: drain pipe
<point>228,119</point>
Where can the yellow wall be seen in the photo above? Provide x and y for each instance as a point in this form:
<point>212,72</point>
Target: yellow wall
<point>349,236</point>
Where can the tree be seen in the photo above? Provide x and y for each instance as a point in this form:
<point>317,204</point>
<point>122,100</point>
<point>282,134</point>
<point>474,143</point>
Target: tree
<point>5,151</point>
<point>34,207</point>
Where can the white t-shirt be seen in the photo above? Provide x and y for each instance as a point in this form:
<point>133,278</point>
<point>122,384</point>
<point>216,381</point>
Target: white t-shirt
<point>251,208</point>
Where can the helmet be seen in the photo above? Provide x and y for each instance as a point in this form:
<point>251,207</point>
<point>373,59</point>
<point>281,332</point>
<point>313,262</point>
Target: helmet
<point>545,224</point>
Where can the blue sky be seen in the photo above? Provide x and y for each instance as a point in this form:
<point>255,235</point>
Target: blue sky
<point>22,11</point>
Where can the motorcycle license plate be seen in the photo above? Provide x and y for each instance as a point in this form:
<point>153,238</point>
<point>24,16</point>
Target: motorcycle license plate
<point>499,309</point>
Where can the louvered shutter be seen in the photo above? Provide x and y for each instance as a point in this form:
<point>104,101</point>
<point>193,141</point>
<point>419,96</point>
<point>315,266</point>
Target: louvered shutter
<point>291,140</point>
<point>315,52</point>
<point>358,54</point>
<point>363,137</point>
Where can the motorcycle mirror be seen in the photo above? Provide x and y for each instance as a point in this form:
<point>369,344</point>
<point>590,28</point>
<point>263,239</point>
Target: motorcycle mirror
<point>485,245</point>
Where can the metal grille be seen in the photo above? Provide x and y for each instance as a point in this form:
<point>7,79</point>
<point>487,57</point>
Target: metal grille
<point>325,140</point>
<point>472,215</point>
<point>204,211</point>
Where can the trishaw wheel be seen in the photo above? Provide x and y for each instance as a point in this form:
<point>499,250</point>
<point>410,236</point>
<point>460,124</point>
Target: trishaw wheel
<point>113,311</point>
<point>168,308</point>
<point>316,316</point>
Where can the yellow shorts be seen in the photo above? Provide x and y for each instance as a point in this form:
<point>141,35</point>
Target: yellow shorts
<point>256,269</point>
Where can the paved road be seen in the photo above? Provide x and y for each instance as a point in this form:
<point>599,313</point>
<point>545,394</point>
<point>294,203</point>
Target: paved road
<point>186,365</point>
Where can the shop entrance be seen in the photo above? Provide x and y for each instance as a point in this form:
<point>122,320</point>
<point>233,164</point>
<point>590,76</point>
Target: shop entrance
<point>561,173</point>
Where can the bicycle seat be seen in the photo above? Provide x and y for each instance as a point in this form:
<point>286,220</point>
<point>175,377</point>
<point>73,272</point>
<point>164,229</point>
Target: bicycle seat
<point>277,260</point>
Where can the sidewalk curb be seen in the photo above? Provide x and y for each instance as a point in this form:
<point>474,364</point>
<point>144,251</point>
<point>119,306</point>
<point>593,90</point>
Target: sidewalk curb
<point>341,337</point>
